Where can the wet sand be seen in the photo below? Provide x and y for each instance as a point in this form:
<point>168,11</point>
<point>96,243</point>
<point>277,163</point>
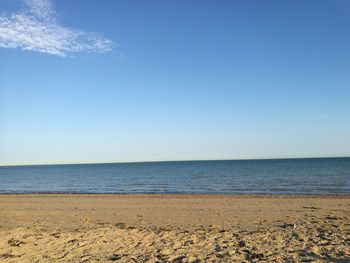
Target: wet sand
<point>174,228</point>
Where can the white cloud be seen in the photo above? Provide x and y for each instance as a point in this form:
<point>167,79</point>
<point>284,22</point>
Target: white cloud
<point>36,28</point>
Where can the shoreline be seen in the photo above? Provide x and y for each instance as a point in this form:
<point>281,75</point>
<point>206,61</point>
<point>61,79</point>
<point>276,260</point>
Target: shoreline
<point>172,195</point>
<point>161,209</point>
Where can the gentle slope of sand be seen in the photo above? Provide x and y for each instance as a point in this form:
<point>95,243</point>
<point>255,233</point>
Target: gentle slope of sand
<point>173,228</point>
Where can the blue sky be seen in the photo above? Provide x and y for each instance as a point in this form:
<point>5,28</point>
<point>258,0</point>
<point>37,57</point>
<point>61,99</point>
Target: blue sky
<point>113,81</point>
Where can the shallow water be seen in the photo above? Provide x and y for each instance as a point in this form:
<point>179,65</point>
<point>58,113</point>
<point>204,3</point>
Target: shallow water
<point>279,176</point>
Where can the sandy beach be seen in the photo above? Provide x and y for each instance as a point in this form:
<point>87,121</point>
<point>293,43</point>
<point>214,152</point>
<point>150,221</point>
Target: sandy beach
<point>174,228</point>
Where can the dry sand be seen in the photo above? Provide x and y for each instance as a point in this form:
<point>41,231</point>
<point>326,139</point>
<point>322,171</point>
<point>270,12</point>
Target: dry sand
<point>174,228</point>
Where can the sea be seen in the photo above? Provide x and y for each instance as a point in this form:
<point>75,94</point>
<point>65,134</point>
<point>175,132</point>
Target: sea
<point>309,176</point>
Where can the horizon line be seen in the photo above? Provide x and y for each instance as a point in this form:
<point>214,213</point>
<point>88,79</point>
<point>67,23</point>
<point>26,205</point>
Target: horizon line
<point>165,161</point>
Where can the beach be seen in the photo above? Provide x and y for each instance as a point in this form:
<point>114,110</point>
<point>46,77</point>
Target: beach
<point>174,228</point>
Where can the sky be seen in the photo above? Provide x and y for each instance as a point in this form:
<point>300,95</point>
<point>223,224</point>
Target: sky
<point>118,81</point>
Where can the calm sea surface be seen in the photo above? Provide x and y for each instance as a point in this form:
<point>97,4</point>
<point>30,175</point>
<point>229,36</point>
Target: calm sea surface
<point>283,176</point>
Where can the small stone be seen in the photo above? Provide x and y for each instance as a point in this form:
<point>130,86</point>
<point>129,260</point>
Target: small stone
<point>250,256</point>
<point>115,257</point>
<point>14,243</point>
<point>120,225</point>
<point>289,225</point>
<point>241,243</point>
<point>177,259</point>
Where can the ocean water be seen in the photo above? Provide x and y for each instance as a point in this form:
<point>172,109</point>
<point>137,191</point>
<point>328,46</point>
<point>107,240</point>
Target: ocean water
<point>280,176</point>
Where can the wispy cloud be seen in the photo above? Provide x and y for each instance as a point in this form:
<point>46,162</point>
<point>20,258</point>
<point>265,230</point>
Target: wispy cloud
<point>36,28</point>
